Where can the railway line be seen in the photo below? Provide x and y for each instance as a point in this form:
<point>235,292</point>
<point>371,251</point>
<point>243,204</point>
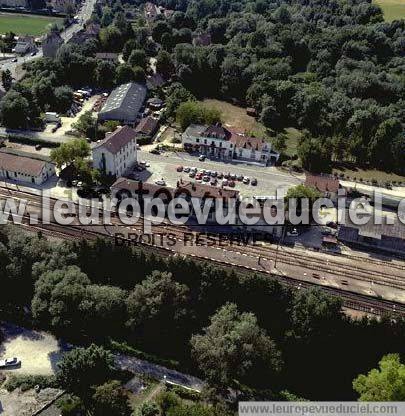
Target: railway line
<point>368,272</point>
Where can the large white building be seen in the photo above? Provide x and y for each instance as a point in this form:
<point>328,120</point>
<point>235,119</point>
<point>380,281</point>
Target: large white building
<point>218,142</point>
<point>116,154</point>
<point>22,167</point>
<point>124,104</point>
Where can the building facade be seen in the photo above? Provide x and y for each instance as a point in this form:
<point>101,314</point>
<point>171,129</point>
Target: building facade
<point>23,168</point>
<point>116,154</point>
<point>218,142</point>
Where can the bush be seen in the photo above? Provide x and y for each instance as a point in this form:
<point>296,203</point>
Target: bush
<point>124,348</point>
<point>31,141</point>
<point>29,382</point>
<point>183,393</point>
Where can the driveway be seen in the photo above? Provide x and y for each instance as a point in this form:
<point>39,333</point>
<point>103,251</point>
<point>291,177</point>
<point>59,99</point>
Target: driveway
<point>137,366</point>
<point>39,352</point>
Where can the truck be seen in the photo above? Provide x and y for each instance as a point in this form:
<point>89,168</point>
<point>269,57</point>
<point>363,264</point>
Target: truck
<point>51,117</point>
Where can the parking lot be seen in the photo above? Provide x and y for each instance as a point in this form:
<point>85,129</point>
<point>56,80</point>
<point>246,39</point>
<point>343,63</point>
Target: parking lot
<point>164,166</point>
<point>38,351</point>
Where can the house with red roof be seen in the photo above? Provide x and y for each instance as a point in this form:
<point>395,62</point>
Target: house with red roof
<point>219,142</point>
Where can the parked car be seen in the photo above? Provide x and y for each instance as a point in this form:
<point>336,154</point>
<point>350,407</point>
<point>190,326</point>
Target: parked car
<point>191,174</point>
<point>214,173</point>
<point>232,176</point>
<point>292,233</point>
<point>213,181</point>
<point>179,168</point>
<point>186,169</point>
<point>225,182</point>
<point>220,175</point>
<point>33,53</point>
<point>38,147</point>
<point>231,184</point>
<point>15,60</point>
<point>154,151</point>
<point>10,362</point>
<point>198,176</point>
<point>227,175</point>
<point>253,182</point>
<point>246,180</point>
<point>194,169</point>
<point>160,182</point>
<point>206,178</point>
<point>331,224</point>
<point>239,178</point>
<point>202,158</point>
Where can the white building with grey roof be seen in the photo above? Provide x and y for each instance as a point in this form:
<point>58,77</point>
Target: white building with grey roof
<point>116,154</point>
<point>124,104</point>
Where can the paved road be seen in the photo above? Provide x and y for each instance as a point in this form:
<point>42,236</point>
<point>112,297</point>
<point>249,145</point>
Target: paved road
<point>84,15</point>
<point>39,135</point>
<point>125,362</point>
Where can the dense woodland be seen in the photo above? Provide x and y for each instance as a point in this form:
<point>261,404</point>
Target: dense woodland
<point>333,69</point>
<point>244,331</point>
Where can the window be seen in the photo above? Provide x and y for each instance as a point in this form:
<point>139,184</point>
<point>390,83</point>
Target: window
<point>15,174</point>
<point>197,140</point>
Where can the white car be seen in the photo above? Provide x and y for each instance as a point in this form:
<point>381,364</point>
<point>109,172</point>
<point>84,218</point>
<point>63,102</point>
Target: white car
<point>160,182</point>
<point>246,180</point>
<point>186,169</point>
<point>10,362</point>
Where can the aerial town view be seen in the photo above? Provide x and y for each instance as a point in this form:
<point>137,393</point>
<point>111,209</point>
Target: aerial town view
<point>202,207</point>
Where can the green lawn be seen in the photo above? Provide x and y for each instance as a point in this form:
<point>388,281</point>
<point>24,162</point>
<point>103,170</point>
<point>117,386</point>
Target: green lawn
<point>236,117</point>
<point>393,9</point>
<point>26,24</point>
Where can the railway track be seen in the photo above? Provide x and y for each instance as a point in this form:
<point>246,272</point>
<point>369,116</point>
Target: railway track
<point>351,299</point>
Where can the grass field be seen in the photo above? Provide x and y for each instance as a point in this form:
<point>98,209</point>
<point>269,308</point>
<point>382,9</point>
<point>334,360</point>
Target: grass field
<point>369,174</point>
<point>393,9</point>
<point>236,117</point>
<point>23,24</point>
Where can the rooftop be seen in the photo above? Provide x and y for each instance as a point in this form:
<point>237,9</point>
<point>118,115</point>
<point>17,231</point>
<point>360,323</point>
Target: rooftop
<point>21,163</point>
<point>323,183</point>
<point>147,126</point>
<point>127,98</point>
<point>115,141</point>
<point>193,189</point>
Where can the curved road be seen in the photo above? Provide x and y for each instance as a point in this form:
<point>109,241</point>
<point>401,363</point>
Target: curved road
<point>84,15</point>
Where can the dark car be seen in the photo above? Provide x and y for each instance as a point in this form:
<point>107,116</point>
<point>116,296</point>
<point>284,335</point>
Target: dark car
<point>253,182</point>
<point>154,152</point>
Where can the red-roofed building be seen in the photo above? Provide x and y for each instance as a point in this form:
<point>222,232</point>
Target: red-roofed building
<point>219,142</point>
<point>326,184</point>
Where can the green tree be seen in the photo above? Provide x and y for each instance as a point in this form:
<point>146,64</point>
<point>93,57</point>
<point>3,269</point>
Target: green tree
<point>385,384</point>
<point>164,64</point>
<point>86,125</point>
<point>6,79</point>
<point>192,112</point>
<point>124,73</point>
<point>138,58</point>
<point>15,110</point>
<point>105,74</point>
<point>233,347</point>
<point>149,409</point>
<point>110,399</point>
<point>63,98</point>
<point>70,152</point>
<point>83,368</point>
<point>315,313</point>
